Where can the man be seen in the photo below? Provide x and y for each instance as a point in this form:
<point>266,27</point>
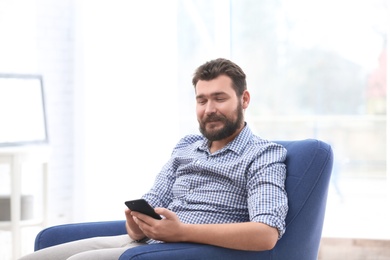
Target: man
<point>223,188</point>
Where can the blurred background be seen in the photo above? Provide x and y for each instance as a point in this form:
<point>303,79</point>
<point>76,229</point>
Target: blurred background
<point>117,93</point>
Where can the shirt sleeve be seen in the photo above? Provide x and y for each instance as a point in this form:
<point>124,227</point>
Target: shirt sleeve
<point>267,197</point>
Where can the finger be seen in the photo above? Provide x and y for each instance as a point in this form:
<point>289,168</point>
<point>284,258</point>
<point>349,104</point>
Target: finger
<point>142,218</point>
<point>142,225</point>
<point>136,220</point>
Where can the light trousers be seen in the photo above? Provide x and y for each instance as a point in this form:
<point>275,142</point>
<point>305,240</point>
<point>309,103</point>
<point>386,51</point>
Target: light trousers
<point>98,248</point>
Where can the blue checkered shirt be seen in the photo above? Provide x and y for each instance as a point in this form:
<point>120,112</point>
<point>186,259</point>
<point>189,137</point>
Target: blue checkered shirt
<point>242,182</point>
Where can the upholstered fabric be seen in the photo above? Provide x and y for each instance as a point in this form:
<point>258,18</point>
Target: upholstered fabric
<point>309,165</point>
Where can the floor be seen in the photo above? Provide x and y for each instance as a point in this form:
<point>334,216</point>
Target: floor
<point>354,249</point>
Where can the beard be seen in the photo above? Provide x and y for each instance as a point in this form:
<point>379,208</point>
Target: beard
<point>230,126</point>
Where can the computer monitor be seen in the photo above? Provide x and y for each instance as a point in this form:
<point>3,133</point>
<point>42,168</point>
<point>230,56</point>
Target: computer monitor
<point>22,110</point>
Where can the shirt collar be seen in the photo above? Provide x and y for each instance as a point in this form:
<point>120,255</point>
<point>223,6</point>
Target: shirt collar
<point>237,145</point>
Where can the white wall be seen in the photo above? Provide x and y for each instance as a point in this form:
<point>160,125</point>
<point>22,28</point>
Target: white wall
<point>36,38</point>
<point>126,108</point>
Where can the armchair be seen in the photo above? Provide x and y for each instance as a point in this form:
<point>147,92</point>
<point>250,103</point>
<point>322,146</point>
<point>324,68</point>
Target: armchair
<point>309,165</point>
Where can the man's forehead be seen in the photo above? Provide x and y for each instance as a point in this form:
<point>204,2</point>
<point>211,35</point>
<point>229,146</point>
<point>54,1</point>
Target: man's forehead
<point>217,86</point>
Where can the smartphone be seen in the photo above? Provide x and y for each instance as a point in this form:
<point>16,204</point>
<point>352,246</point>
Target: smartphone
<point>142,206</point>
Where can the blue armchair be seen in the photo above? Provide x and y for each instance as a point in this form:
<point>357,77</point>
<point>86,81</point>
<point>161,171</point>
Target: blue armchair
<point>309,165</point>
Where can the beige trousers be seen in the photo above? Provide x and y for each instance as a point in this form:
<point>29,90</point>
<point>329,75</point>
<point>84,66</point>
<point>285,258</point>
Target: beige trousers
<point>98,248</point>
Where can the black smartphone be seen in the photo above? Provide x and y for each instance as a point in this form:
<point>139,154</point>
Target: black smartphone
<point>142,206</point>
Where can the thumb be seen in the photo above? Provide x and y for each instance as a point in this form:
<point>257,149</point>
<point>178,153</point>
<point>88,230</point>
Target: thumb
<point>166,213</point>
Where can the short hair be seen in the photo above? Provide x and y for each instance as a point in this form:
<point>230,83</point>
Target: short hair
<point>214,68</point>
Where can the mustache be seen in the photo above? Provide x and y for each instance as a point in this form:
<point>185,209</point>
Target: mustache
<point>213,118</point>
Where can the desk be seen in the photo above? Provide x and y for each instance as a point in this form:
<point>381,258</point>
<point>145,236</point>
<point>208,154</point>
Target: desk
<point>15,157</point>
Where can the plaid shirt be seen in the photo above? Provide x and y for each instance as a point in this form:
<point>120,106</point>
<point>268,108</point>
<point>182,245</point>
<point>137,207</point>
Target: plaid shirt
<point>242,182</point>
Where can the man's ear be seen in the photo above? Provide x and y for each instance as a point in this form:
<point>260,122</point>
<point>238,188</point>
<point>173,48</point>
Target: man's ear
<point>246,97</point>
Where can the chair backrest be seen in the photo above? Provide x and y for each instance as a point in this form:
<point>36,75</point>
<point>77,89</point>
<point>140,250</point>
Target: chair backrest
<point>309,166</point>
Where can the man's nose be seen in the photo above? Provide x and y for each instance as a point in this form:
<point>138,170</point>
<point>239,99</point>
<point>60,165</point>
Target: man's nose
<point>210,107</point>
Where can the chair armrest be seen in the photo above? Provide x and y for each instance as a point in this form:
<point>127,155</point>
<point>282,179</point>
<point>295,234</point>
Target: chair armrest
<point>70,232</point>
<point>183,251</point>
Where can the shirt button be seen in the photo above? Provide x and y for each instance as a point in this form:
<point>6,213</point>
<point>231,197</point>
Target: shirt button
<point>191,191</point>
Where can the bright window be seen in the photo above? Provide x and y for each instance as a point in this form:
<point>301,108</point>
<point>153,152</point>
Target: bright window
<point>316,69</point>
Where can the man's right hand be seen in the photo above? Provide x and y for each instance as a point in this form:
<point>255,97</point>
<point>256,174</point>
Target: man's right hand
<point>132,228</point>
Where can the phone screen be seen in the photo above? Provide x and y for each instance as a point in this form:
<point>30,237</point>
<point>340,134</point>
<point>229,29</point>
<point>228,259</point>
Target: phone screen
<point>142,206</point>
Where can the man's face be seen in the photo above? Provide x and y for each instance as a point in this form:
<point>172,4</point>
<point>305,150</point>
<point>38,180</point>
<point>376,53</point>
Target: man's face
<point>219,110</point>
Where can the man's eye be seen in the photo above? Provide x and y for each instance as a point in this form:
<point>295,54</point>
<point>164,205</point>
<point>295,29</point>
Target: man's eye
<point>201,101</point>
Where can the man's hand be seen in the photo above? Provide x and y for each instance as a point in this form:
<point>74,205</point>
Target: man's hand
<point>132,228</point>
<point>168,229</point>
